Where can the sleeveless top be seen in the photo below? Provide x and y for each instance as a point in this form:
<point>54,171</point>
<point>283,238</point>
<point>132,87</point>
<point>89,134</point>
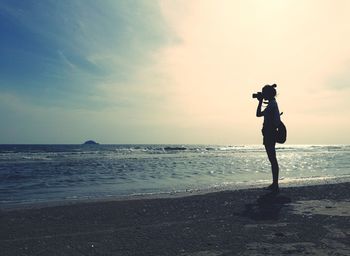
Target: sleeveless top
<point>271,116</point>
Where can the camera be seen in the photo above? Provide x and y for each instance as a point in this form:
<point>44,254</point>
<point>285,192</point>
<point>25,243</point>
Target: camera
<point>257,95</point>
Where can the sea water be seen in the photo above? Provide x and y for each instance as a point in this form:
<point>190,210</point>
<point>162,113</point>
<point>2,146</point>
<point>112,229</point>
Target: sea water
<point>32,174</point>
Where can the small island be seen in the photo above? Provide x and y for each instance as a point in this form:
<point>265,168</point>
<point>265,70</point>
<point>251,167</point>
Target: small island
<point>90,142</point>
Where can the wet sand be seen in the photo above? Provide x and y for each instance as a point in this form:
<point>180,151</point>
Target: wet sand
<point>312,220</point>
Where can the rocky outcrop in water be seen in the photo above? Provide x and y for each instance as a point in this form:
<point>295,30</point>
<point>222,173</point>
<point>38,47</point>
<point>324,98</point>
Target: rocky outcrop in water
<point>90,142</point>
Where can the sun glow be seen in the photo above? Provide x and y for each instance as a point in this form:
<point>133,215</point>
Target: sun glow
<point>229,49</point>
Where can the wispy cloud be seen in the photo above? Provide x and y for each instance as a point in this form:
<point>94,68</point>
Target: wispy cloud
<point>171,71</point>
<point>53,52</point>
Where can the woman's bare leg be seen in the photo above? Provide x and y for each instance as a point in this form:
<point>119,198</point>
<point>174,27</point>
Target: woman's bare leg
<point>271,153</point>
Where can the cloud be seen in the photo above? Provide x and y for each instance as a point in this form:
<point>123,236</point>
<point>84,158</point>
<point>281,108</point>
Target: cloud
<point>59,52</point>
<point>172,71</point>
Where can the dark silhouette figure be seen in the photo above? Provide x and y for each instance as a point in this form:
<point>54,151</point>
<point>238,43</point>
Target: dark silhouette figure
<point>272,120</point>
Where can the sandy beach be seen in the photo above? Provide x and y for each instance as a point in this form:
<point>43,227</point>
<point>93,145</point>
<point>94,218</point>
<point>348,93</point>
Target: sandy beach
<point>312,220</point>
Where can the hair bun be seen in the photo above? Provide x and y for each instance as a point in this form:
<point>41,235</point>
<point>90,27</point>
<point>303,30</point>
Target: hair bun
<point>274,85</point>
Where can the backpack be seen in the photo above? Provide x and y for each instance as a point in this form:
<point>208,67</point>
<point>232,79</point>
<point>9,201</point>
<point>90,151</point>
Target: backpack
<point>281,135</point>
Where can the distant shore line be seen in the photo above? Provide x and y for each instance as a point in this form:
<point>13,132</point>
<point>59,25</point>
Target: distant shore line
<point>321,181</point>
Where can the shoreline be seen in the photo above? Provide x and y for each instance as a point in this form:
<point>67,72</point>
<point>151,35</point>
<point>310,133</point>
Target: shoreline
<point>284,183</point>
<point>306,220</point>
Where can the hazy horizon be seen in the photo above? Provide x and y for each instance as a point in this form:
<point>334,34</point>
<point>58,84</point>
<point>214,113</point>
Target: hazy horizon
<point>172,72</point>
<point>287,145</point>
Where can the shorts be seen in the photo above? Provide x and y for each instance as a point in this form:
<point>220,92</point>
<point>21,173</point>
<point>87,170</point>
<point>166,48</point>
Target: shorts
<point>269,136</point>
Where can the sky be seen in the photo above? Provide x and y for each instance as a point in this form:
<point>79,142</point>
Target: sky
<point>172,71</point>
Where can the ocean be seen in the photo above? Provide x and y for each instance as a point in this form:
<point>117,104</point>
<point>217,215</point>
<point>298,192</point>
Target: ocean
<point>32,174</point>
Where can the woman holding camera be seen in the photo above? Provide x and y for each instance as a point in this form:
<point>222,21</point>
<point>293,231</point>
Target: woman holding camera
<point>272,120</point>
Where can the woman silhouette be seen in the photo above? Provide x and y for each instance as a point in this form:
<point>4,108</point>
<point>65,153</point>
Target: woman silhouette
<point>272,120</point>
